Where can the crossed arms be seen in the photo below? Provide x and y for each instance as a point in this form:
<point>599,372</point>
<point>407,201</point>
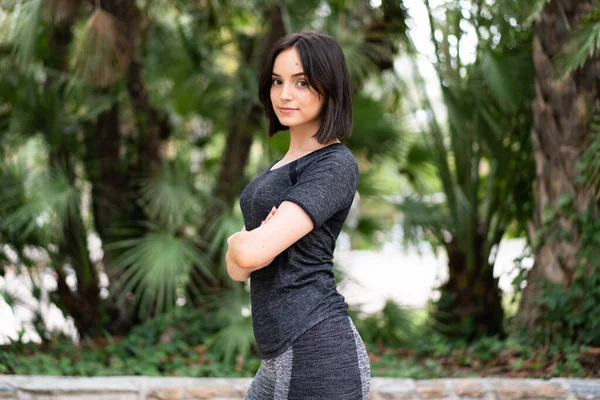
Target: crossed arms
<point>252,250</point>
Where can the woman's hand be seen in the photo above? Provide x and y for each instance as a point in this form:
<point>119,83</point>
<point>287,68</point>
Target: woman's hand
<point>273,210</point>
<point>235,271</point>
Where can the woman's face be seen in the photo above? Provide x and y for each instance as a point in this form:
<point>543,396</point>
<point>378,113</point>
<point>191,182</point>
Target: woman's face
<point>295,103</point>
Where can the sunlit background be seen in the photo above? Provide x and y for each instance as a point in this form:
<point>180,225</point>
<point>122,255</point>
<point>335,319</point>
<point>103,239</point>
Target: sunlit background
<point>128,132</point>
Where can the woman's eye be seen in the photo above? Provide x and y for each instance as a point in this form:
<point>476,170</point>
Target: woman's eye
<point>275,82</point>
<point>302,83</point>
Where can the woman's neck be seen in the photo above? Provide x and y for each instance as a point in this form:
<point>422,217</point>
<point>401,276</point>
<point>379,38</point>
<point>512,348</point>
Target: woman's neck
<point>302,140</point>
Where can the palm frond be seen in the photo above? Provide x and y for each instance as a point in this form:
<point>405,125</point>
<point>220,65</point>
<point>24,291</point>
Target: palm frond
<point>392,325</point>
<point>102,52</point>
<point>223,226</point>
<point>42,206</point>
<point>499,71</point>
<point>5,25</point>
<point>12,195</point>
<point>300,14</point>
<point>80,102</point>
<point>429,214</point>
<point>59,194</point>
<point>237,337</point>
<point>59,11</point>
<point>360,58</point>
<point>461,133</point>
<point>374,129</point>
<point>37,108</point>
<point>590,159</point>
<point>54,108</point>
<point>372,181</point>
<point>525,11</point>
<point>156,268</point>
<point>418,166</point>
<point>582,45</point>
<point>169,197</point>
<point>492,131</point>
<point>25,29</point>
<point>441,157</point>
<point>467,218</point>
<point>189,71</point>
<point>366,226</point>
<point>10,298</point>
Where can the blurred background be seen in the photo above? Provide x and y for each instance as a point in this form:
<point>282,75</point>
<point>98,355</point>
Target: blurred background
<point>129,128</point>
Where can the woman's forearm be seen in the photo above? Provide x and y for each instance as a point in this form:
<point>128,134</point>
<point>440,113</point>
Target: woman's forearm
<point>235,272</point>
<point>243,250</point>
<point>245,253</point>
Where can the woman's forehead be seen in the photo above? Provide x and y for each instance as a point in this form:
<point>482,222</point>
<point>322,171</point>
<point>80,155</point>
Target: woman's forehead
<point>288,63</point>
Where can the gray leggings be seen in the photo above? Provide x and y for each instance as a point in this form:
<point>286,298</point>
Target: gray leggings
<point>329,362</point>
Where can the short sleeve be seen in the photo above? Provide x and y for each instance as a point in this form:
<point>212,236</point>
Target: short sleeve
<point>326,186</point>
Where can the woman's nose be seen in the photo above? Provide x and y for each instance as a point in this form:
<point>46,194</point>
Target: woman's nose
<point>286,93</point>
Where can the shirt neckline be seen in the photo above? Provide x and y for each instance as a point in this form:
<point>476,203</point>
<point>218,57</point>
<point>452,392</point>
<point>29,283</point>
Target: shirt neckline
<point>299,158</point>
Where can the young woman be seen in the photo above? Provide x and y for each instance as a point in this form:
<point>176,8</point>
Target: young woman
<point>293,213</point>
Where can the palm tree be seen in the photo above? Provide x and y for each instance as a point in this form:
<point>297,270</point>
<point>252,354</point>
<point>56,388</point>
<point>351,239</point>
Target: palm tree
<point>104,56</point>
<point>482,161</point>
<point>135,97</point>
<point>564,50</point>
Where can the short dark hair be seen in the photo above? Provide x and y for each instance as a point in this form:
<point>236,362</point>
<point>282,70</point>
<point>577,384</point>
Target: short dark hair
<point>326,71</point>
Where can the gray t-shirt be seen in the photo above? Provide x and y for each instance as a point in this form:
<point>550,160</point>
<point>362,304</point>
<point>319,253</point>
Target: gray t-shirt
<point>297,290</point>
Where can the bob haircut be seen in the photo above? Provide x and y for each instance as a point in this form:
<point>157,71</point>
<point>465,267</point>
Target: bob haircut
<point>325,68</point>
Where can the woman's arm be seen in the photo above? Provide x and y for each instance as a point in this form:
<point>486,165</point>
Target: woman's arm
<point>257,248</point>
<point>240,274</point>
<point>235,272</point>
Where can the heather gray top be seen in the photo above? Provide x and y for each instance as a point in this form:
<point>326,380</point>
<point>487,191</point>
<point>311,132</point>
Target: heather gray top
<point>298,290</point>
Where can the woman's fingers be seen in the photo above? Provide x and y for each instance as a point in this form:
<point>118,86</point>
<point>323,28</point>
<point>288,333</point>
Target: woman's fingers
<point>271,213</point>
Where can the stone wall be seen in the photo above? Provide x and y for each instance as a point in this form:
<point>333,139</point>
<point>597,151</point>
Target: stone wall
<point>142,388</point>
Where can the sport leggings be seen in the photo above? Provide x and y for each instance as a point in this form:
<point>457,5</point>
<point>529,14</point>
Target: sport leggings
<point>328,362</point>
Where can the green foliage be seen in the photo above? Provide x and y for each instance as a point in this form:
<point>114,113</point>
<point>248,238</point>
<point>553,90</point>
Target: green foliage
<point>156,267</point>
<point>194,76</point>
<point>525,11</point>
<point>171,344</point>
<point>569,315</point>
<point>392,326</point>
<point>482,158</point>
<point>27,14</point>
<point>44,203</point>
<point>170,198</point>
<point>589,164</point>
<point>186,342</point>
<point>583,43</point>
<point>374,129</point>
<point>236,339</point>
<point>432,355</point>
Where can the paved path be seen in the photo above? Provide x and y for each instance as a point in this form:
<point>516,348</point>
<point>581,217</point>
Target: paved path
<point>142,388</point>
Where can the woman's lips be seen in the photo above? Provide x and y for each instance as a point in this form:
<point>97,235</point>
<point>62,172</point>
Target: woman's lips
<point>284,110</point>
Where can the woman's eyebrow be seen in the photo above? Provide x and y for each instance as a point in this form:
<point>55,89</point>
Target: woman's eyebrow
<point>297,74</point>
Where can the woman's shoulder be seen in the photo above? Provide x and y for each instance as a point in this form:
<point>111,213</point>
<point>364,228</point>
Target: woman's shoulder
<point>337,156</point>
<point>341,153</point>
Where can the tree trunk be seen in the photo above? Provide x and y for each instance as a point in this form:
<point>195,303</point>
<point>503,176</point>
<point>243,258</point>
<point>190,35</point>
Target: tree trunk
<point>562,111</point>
<point>113,205</point>
<point>470,303</point>
<point>152,127</point>
<point>84,303</point>
<point>115,190</point>
<point>104,168</point>
<point>245,121</point>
